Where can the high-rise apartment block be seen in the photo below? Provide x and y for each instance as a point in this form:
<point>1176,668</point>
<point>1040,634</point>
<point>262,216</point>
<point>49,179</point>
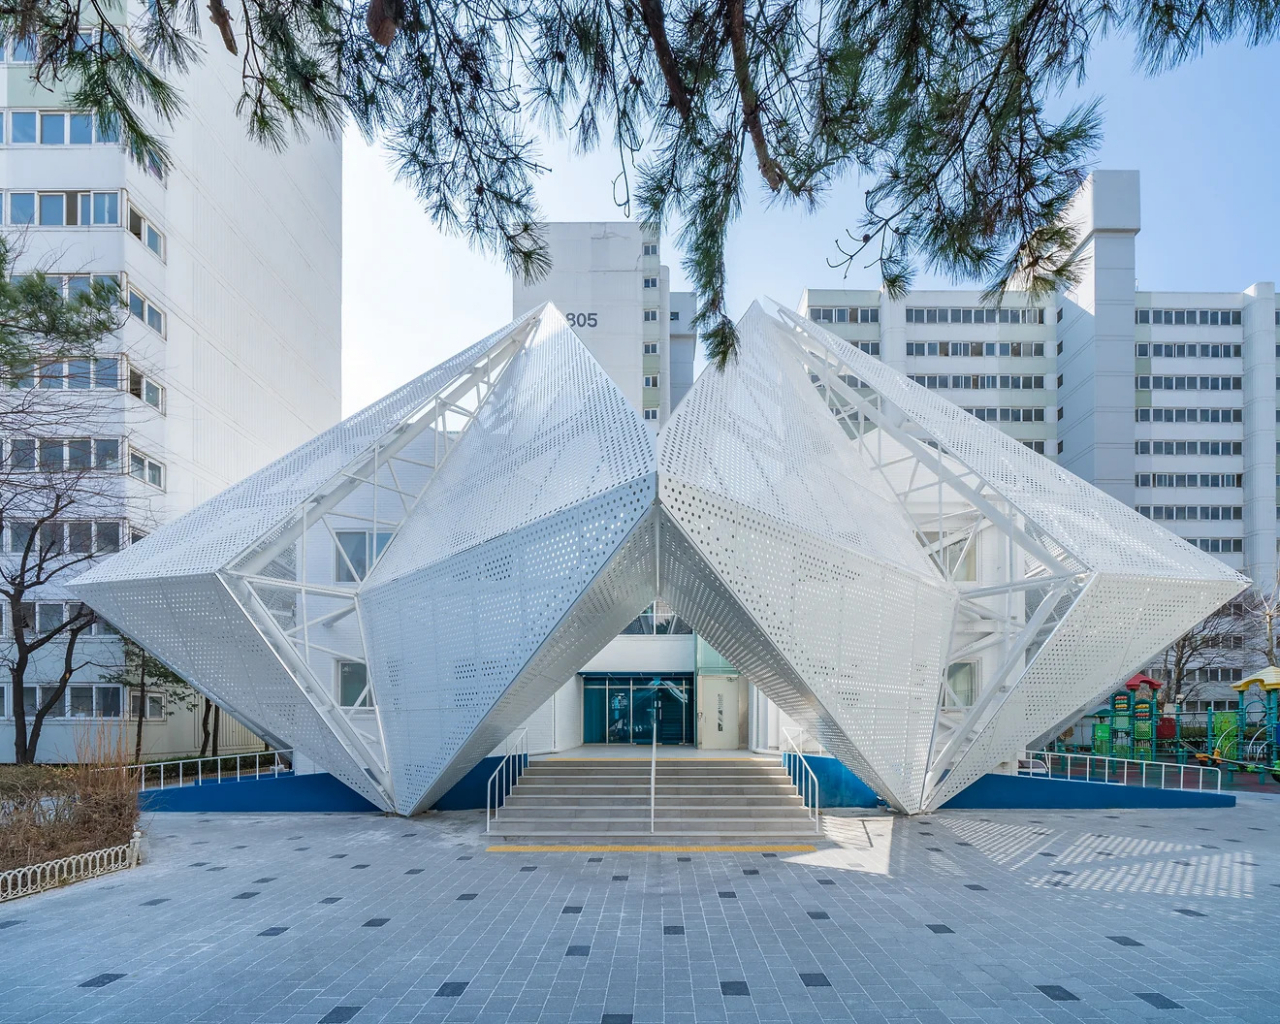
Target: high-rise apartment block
<point>229,266</point>
<point>608,280</point>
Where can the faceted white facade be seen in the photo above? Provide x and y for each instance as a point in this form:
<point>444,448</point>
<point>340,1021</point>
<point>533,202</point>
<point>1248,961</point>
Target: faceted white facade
<point>922,593</point>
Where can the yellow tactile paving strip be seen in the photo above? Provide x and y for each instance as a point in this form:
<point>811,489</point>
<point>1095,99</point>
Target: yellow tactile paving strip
<point>800,848</point>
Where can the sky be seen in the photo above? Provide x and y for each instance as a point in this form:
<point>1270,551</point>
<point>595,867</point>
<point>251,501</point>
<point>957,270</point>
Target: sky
<point>1203,138</point>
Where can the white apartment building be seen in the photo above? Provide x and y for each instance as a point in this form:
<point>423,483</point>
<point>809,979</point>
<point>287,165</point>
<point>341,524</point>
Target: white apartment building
<point>608,280</point>
<point>1166,401</point>
<point>230,266</point>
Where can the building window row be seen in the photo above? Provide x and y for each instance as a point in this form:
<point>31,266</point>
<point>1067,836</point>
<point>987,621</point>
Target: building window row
<point>44,617</point>
<point>1162,351</point>
<point>1193,513</point>
<point>980,381</point>
<point>975,348</point>
<point>651,282</point>
<point>1218,545</point>
<point>79,700</point>
<point>1190,317</point>
<point>1158,383</point>
<point>75,208</point>
<point>100,537</point>
<point>844,314</point>
<point>53,128</point>
<point>1188,479</point>
<point>101,373</point>
<point>79,454</point>
<point>972,315</point>
<point>1191,415</point>
<point>1035,415</point>
<point>1191,447</point>
<point>69,286</point>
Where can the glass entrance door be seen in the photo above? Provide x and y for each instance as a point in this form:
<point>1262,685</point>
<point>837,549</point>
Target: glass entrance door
<point>624,709</point>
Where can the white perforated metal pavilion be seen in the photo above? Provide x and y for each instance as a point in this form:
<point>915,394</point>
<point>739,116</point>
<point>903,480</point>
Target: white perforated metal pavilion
<point>921,592</point>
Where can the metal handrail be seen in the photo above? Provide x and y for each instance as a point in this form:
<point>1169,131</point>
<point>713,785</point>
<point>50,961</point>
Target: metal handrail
<point>1116,771</point>
<point>186,776</point>
<point>653,772</point>
<point>511,767</point>
<point>807,784</point>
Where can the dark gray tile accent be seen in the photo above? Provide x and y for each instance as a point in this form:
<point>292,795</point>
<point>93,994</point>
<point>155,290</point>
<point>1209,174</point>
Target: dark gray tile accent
<point>222,868</point>
<point>529,868</point>
<point>357,867</point>
<point>594,860</point>
<point>465,856</point>
<point>408,835</point>
<point>615,1018</point>
<point>291,839</point>
<point>1059,994</point>
<point>1044,854</point>
<point>278,930</point>
<point>826,881</point>
<point>244,895</point>
<point>976,888</point>
<point>728,894</point>
<point>940,929</point>
<point>414,871</point>
<point>468,896</point>
<point>673,929</point>
<point>964,844</point>
<point>199,863</point>
<point>620,878</point>
<point>11,923</point>
<point>815,980</point>
<point>156,902</point>
<point>331,899</point>
<point>375,922</point>
<point>750,871</point>
<point>934,849</point>
<point>264,881</point>
<point>819,915</point>
<point>683,860</point>
<point>337,856</point>
<point>240,847</point>
<point>578,951</point>
<point>571,910</point>
<point>734,988</point>
<point>1188,913</point>
<point>340,1014</point>
<point>1124,940</point>
<point>299,849</point>
<point>1158,1001</point>
<point>452,988</point>
<point>98,980</point>
<point>768,855</point>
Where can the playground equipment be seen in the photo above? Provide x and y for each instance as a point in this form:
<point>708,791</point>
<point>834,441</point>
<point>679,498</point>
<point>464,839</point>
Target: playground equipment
<point>1248,738</point>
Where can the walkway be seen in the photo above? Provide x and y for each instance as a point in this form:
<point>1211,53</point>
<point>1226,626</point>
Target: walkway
<point>1003,918</point>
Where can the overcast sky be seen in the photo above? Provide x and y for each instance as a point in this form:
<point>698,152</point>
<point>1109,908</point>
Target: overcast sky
<point>1204,139</point>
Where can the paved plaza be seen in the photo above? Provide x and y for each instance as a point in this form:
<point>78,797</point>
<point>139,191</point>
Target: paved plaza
<point>1001,917</point>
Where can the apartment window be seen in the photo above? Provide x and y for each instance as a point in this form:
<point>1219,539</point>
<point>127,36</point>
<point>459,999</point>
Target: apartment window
<point>64,209</point>
<point>1171,351</point>
<point>651,282</point>
<point>845,314</point>
<point>146,311</point>
<point>651,414</point>
<point>145,231</point>
<point>1192,513</point>
<point>1035,446</point>
<point>1061,446</point>
<point>651,380</point>
<point>675,314</point>
<point>153,710</point>
<point>53,129</point>
<point>353,685</point>
<point>650,249</point>
<point>22,127</point>
<point>651,316</point>
<point>651,348</point>
<point>1160,415</point>
<point>148,470</point>
<point>145,389</point>
<point>96,701</point>
<point>354,553</point>
<point>1154,447</point>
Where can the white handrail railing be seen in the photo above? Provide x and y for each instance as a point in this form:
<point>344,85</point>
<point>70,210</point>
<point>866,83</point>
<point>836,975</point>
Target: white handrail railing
<point>807,783</point>
<point>1118,771</point>
<point>653,770</point>
<point>190,771</point>
<point>511,767</point>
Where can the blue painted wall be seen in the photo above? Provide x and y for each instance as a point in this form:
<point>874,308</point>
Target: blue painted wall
<point>321,792</point>
<point>992,792</point>
<point>468,793</point>
<point>837,786</point>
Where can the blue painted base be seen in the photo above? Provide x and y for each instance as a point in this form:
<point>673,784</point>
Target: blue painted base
<point>321,792</point>
<point>993,792</point>
<point>839,787</point>
<point>467,793</point>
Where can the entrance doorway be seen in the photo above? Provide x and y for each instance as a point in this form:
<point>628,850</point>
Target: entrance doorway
<point>719,712</point>
<point>626,708</point>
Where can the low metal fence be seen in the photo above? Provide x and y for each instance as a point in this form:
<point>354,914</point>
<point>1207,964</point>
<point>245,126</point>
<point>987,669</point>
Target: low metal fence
<point>54,873</point>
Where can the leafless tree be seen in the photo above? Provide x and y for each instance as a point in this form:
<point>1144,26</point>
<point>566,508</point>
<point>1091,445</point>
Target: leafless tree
<point>1221,640</point>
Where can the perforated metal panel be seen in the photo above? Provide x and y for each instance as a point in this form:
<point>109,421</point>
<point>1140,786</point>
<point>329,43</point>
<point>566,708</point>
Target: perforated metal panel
<point>846,539</point>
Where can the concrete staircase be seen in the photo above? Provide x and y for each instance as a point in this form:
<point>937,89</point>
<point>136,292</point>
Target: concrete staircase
<point>702,798</point>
